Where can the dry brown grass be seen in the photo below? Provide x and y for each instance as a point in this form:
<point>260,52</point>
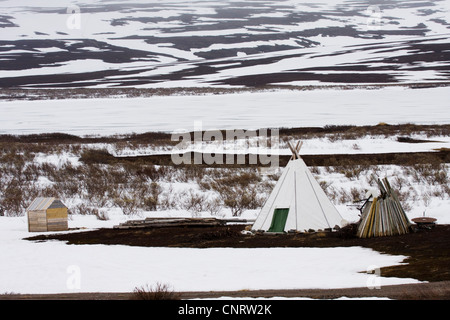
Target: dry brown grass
<point>158,291</point>
<point>134,183</point>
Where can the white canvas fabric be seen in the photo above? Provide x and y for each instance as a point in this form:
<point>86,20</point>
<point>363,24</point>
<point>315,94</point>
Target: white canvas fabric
<point>309,207</point>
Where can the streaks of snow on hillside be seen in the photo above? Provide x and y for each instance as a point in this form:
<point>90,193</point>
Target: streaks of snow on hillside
<point>172,43</point>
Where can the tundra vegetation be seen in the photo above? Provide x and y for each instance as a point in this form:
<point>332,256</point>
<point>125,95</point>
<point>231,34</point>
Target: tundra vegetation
<point>85,175</point>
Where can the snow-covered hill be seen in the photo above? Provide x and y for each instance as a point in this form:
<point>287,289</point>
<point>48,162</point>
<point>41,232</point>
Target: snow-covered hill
<point>104,43</point>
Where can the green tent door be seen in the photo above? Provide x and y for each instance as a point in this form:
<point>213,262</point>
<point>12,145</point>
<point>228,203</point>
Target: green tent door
<point>278,220</point>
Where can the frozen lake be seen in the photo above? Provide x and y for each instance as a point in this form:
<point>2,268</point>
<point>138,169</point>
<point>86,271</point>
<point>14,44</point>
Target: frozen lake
<point>229,111</point>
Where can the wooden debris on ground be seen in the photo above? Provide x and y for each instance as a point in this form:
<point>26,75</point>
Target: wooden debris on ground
<point>177,222</point>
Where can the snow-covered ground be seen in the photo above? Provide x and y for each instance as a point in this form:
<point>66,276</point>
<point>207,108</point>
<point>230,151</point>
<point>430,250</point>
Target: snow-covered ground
<point>55,267</point>
<point>51,267</point>
<point>151,44</point>
<point>281,108</point>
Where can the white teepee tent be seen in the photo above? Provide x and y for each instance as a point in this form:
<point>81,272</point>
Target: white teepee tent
<point>297,202</point>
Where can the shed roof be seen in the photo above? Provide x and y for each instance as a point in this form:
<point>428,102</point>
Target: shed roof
<point>42,203</point>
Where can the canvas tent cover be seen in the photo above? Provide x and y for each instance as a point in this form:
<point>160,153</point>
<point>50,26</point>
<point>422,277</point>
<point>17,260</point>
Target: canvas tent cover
<point>299,200</point>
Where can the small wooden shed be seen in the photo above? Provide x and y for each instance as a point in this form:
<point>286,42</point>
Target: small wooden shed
<point>47,214</point>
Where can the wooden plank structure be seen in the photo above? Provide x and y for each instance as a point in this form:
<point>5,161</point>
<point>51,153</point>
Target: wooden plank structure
<point>384,215</point>
<point>177,222</point>
<point>424,222</point>
<point>47,214</point>
<point>168,222</point>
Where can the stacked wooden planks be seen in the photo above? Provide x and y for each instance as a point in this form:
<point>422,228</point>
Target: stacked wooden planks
<point>37,221</point>
<point>57,219</point>
<point>170,222</point>
<point>385,217</point>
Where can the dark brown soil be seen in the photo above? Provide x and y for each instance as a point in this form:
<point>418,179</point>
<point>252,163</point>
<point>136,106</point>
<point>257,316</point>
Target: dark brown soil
<point>410,158</point>
<point>402,131</point>
<point>417,291</point>
<point>428,249</point>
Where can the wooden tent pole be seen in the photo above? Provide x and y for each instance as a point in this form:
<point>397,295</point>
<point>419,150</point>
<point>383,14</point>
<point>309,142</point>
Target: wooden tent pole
<point>292,150</point>
<point>295,150</point>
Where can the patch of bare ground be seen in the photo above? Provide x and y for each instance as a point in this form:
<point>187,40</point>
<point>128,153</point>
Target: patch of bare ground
<point>417,291</point>
<point>332,132</point>
<point>10,93</point>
